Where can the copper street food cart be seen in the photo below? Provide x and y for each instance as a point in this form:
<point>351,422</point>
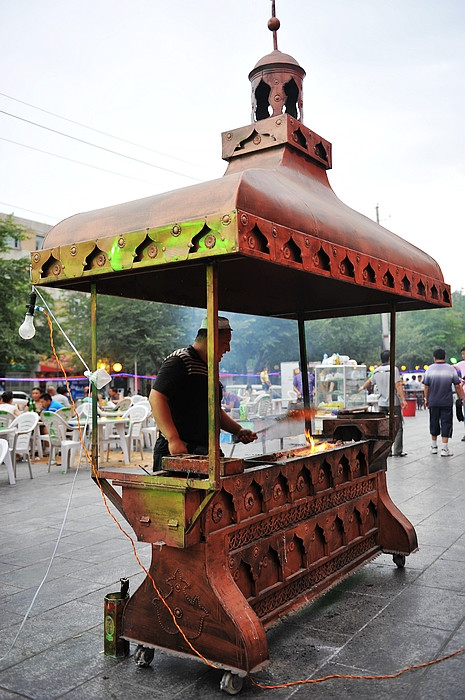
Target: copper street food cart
<point>238,542</point>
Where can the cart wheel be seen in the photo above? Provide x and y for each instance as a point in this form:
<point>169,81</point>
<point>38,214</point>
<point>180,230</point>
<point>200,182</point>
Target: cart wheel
<point>399,560</point>
<point>143,656</point>
<point>231,683</point>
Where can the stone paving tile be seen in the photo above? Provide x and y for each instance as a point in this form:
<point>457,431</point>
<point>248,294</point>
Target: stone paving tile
<point>382,647</point>
<point>43,631</point>
<point>49,674</point>
<point>445,680</point>
<point>110,571</point>
<point>444,573</point>
<point>52,595</point>
<point>429,607</point>
<point>337,688</point>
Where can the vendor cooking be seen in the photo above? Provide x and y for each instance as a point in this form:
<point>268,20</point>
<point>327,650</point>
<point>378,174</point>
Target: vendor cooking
<point>179,399</point>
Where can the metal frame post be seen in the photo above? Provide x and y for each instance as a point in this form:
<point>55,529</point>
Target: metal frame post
<point>392,379</point>
<point>213,377</point>
<point>304,372</point>
<point>93,387</point>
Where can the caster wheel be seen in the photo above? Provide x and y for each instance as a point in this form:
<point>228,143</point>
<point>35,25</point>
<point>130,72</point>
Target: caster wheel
<point>399,560</point>
<point>231,683</point>
<point>143,656</point>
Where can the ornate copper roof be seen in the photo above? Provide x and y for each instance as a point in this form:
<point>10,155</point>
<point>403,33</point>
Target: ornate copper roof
<point>283,243</point>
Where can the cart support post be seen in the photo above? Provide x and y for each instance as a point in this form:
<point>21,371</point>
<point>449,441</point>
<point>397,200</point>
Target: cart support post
<point>304,372</point>
<point>93,387</point>
<point>213,377</point>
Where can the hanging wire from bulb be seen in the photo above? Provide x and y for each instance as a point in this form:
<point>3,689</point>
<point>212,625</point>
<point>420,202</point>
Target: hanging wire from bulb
<point>27,331</point>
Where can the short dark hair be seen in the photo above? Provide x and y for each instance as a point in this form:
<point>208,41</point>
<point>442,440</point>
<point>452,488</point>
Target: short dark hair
<point>7,396</point>
<point>462,349</point>
<point>62,390</point>
<point>385,355</point>
<point>46,396</point>
<point>202,332</point>
<point>439,354</point>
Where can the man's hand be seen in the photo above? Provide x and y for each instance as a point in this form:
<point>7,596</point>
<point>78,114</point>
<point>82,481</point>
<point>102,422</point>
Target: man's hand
<point>245,436</point>
<point>177,447</point>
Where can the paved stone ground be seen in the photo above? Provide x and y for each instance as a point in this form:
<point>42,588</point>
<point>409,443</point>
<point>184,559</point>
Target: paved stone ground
<point>380,620</point>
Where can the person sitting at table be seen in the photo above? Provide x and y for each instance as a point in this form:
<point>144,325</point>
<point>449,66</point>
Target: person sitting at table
<point>61,396</point>
<point>230,401</point>
<point>114,397</point>
<point>88,398</point>
<point>7,404</point>
<point>34,403</point>
<point>48,404</point>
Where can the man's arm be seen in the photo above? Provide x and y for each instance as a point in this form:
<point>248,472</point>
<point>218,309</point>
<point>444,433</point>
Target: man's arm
<point>231,426</point>
<point>426,392</point>
<point>400,393</point>
<point>459,390</point>
<point>162,414</point>
<point>366,385</point>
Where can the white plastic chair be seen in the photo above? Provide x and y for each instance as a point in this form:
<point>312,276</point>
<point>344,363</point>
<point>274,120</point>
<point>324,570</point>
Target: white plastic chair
<point>66,413</point>
<point>124,404</point>
<point>137,415</point>
<point>260,406</point>
<point>20,439</point>
<point>6,419</point>
<point>85,410</point>
<point>57,429</point>
<point>6,460</point>
<point>150,431</point>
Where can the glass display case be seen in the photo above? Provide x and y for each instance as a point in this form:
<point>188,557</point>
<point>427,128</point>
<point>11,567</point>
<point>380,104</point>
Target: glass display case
<point>337,386</point>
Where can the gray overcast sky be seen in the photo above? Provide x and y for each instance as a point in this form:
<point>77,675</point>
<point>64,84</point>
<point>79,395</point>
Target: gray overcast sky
<point>385,84</point>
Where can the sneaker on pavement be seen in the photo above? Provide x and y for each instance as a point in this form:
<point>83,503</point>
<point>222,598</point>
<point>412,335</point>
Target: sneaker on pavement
<point>445,452</point>
<point>434,450</point>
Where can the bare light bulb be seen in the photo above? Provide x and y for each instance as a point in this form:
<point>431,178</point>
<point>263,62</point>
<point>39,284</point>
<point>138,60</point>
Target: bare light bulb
<point>27,329</point>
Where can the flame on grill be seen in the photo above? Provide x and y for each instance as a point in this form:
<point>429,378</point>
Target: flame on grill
<point>313,446</point>
<point>305,414</point>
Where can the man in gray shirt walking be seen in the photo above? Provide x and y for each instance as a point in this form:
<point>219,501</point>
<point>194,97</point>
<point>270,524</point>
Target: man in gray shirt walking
<point>439,399</point>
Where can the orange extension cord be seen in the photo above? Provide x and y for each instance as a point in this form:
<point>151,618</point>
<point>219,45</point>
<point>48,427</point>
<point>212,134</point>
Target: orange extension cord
<point>194,650</point>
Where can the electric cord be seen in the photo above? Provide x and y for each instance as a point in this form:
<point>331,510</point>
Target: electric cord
<point>73,347</point>
<point>63,523</point>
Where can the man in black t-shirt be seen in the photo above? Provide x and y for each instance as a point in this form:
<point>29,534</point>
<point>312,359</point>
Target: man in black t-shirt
<point>179,399</point>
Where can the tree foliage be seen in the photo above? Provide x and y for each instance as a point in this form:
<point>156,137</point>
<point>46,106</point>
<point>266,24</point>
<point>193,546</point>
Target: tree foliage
<point>130,331</point>
<point>15,353</point>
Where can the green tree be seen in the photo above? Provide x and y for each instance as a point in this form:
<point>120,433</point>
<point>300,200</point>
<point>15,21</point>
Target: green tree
<point>419,333</point>
<point>16,353</point>
<point>128,330</point>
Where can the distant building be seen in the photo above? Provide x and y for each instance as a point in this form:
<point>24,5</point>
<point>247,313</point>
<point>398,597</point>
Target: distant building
<point>35,233</point>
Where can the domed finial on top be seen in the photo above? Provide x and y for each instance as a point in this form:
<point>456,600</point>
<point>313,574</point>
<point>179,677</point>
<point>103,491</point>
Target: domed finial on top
<point>273,25</point>
<point>276,81</point>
